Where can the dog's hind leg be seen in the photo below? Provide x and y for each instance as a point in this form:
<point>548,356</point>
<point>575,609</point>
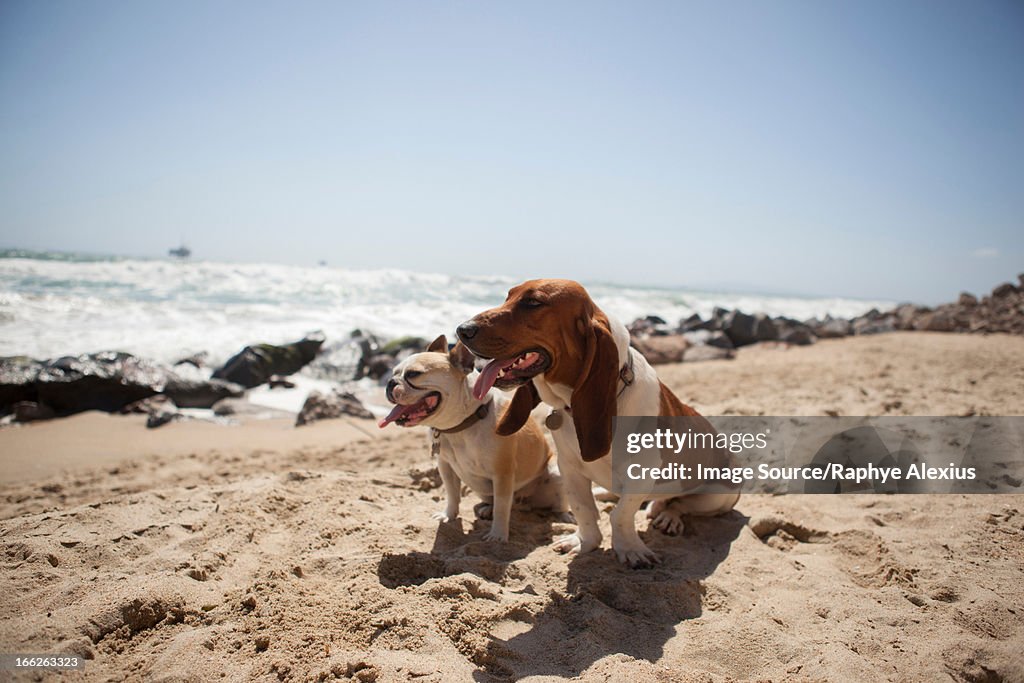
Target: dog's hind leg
<point>549,494</point>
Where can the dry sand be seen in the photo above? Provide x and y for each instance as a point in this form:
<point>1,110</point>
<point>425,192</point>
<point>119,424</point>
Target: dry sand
<point>201,552</point>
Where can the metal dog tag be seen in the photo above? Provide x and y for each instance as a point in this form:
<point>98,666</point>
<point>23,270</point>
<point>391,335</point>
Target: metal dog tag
<point>554,420</point>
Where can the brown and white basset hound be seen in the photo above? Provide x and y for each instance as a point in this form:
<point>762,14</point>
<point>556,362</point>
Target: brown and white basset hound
<point>551,342</point>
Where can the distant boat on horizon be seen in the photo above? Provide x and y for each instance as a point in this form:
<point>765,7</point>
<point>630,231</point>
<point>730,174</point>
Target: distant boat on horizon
<point>181,252</point>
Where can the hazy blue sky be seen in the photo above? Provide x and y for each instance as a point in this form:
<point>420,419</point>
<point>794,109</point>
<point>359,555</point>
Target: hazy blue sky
<point>869,149</point>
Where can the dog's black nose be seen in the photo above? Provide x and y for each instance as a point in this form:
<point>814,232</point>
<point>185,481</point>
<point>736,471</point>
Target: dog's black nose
<point>467,330</point>
<point>389,389</point>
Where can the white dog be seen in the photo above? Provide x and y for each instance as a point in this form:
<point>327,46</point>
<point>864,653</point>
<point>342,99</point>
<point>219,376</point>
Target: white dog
<point>435,388</point>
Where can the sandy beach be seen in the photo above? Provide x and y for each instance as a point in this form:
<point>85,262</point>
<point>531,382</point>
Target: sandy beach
<point>262,551</point>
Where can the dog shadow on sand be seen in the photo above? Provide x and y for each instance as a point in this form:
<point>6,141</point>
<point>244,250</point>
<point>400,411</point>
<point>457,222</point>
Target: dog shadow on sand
<point>608,608</point>
<point>600,608</point>
<point>459,548</point>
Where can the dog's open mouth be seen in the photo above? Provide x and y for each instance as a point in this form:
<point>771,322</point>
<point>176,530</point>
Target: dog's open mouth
<point>414,413</point>
<point>512,372</point>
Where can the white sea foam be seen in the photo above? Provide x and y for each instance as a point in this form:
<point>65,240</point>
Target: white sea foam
<point>165,310</point>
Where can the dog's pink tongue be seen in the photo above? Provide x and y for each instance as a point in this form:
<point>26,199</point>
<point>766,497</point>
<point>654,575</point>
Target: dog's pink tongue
<point>488,376</point>
<point>395,413</point>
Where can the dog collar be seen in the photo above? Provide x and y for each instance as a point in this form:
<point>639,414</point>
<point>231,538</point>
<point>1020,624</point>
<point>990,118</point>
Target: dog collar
<point>626,375</point>
<point>474,417</point>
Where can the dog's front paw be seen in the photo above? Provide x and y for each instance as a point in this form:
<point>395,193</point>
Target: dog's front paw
<point>443,516</point>
<point>669,523</point>
<point>637,557</point>
<point>573,543</point>
<point>565,517</point>
<point>484,510</point>
<point>496,535</point>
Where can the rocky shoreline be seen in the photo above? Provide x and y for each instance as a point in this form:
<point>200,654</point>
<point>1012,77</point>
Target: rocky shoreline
<point>114,381</point>
<point>694,339</point>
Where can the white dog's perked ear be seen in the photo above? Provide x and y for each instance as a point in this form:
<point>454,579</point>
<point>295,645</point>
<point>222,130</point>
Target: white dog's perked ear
<point>462,358</point>
<point>439,345</point>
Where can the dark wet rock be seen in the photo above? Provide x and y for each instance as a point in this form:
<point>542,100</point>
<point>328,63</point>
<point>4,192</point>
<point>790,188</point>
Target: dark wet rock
<point>106,381</point>
<point>320,406</point>
<point>162,415</point>
<point>17,377</point>
<point>395,346</point>
<point>345,360</point>
<point>708,338</point>
<point>30,411</point>
<point>196,360</point>
<point>280,382</point>
<point>144,406</point>
<point>794,332</point>
<point>705,352</point>
<point>379,366</point>
<point>189,393</point>
<point>745,329</point>
<point>692,323</point>
<point>652,325</point>
<point>254,365</point>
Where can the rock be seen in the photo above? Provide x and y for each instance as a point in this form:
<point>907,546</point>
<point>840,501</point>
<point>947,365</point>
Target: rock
<point>709,338</point>
<point>833,328</point>
<point>662,349</point>
<point>694,322</point>
<point>651,325</point>
<point>938,321</point>
<point>239,407</point>
<point>1004,290</point>
<point>29,411</point>
<point>794,332</point>
<point>196,360</point>
<point>706,352</point>
<point>107,381</point>
<point>144,406</point>
<point>319,406</point>
<point>17,378</point>
<point>906,315</point>
<point>280,382</point>
<point>873,323</point>
<point>254,365</point>
<point>379,366</point>
<point>188,393</point>
<point>967,300</point>
<point>161,415</point>
<point>393,347</point>
<point>746,329</point>
<point>345,360</point>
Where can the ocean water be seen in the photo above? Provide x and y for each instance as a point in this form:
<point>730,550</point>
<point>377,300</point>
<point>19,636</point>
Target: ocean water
<point>59,304</point>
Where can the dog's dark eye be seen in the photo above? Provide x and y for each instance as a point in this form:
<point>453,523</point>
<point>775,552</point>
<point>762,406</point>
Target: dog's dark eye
<point>530,302</point>
<point>412,374</point>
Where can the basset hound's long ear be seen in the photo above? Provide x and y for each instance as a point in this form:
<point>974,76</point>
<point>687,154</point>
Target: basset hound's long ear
<point>594,397</point>
<point>518,412</point>
<point>439,345</point>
